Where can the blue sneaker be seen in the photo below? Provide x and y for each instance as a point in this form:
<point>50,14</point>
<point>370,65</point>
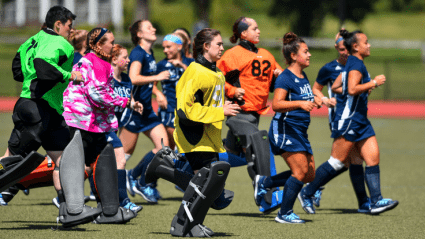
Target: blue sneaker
<point>289,217</point>
<point>365,207</point>
<point>156,193</point>
<point>383,205</point>
<point>306,202</point>
<point>2,202</point>
<point>317,197</point>
<point>26,191</point>
<point>259,189</point>
<point>127,204</point>
<point>131,183</point>
<point>146,192</point>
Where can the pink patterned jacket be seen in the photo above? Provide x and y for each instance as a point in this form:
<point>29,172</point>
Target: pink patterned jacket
<point>89,105</point>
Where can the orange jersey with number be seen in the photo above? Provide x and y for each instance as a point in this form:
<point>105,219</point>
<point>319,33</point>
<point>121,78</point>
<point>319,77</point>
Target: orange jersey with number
<point>256,74</point>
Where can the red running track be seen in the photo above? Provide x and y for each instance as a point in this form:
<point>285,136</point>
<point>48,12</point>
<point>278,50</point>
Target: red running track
<point>377,109</point>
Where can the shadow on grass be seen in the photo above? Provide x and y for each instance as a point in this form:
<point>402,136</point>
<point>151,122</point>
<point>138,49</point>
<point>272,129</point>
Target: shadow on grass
<point>338,211</point>
<point>44,227</point>
<point>177,199</point>
<point>259,215</point>
<point>216,234</point>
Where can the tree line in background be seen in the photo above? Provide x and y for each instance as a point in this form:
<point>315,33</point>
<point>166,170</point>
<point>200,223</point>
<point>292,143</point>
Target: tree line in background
<point>306,16</point>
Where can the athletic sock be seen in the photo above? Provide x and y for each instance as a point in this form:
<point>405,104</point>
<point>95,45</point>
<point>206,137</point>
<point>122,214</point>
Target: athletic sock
<point>372,176</point>
<point>233,160</point>
<point>137,171</point>
<point>277,180</point>
<point>324,174</point>
<point>290,192</point>
<point>357,179</point>
<point>122,188</point>
<point>145,162</point>
<point>92,186</point>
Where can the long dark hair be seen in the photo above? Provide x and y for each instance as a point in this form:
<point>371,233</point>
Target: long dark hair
<point>134,29</point>
<point>206,35</point>
<point>291,44</point>
<point>349,39</point>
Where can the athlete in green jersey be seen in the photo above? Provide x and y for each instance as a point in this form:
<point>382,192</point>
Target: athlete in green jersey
<point>43,63</point>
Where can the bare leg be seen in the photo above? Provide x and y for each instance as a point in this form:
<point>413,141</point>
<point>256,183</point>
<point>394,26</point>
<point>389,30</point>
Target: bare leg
<point>128,140</point>
<point>301,165</point>
<point>156,134</point>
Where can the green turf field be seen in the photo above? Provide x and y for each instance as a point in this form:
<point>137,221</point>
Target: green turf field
<point>402,178</point>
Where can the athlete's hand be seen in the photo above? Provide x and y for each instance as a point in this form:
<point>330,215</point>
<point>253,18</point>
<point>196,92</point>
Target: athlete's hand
<point>137,106</point>
<point>239,93</point>
<point>277,72</point>
<point>164,75</point>
<point>176,62</point>
<point>231,109</point>
<point>76,77</point>
<point>162,100</point>
<point>318,102</point>
<point>380,80</point>
<point>331,102</point>
<point>307,105</point>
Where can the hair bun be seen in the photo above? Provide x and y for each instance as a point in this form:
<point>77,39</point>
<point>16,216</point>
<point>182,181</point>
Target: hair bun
<point>344,33</point>
<point>289,37</point>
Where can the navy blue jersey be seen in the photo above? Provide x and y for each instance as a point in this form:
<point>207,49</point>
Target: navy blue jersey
<point>298,89</point>
<point>326,77</point>
<point>169,86</point>
<point>348,106</point>
<point>77,57</point>
<point>123,89</point>
<point>143,93</point>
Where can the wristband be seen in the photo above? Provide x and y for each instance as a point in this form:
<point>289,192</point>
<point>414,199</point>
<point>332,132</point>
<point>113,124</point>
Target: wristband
<point>376,84</point>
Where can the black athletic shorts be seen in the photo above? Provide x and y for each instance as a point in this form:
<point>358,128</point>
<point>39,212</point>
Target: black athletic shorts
<point>93,144</point>
<point>37,124</point>
<point>198,160</point>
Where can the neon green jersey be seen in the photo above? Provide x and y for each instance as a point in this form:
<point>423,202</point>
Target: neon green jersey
<point>44,63</point>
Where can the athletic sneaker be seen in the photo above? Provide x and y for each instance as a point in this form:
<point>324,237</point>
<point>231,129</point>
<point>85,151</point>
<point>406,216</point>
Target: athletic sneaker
<point>26,191</point>
<point>91,197</point>
<point>259,189</point>
<point>317,197</point>
<point>383,205</point>
<point>56,202</point>
<point>156,193</point>
<point>306,202</point>
<point>365,207</point>
<point>290,217</point>
<point>127,204</point>
<point>2,202</point>
<point>146,192</point>
<point>131,183</point>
